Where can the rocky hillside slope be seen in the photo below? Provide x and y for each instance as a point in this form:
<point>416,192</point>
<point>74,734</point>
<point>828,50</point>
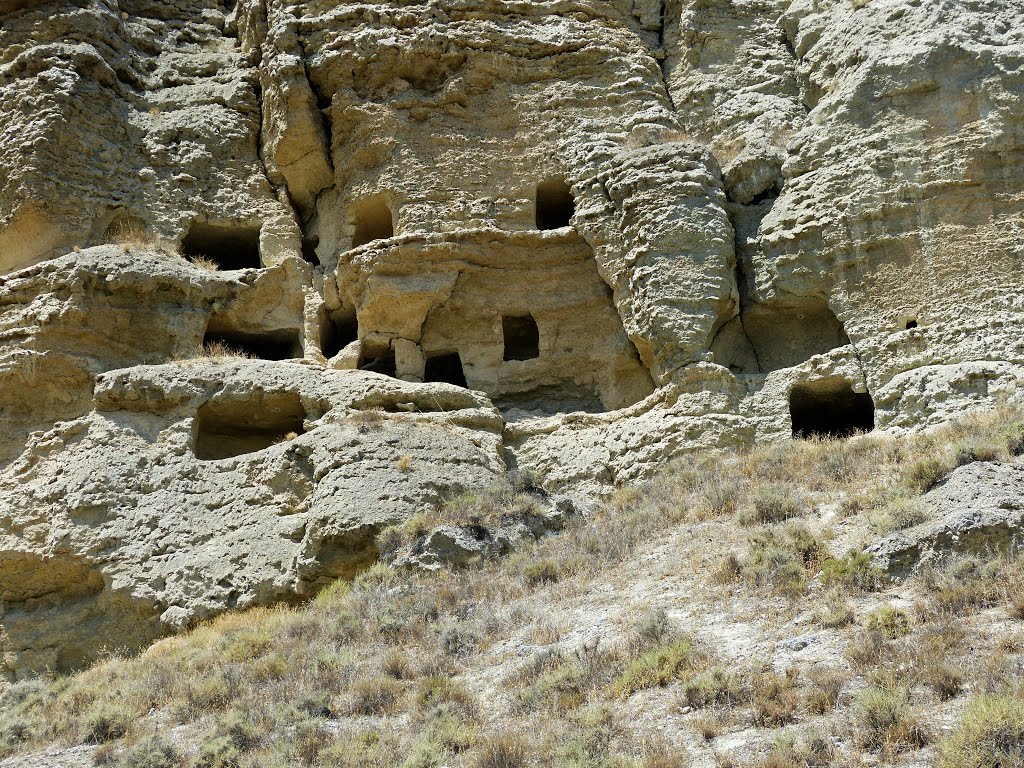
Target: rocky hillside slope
<point>576,238</point>
<point>724,614</point>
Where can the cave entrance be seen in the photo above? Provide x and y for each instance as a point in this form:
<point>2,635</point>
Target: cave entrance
<point>830,408</point>
<point>337,331</point>
<point>555,204</point>
<point>267,345</point>
<point>373,221</point>
<point>236,427</point>
<point>522,337</point>
<point>382,361</point>
<point>446,368</point>
<point>228,246</point>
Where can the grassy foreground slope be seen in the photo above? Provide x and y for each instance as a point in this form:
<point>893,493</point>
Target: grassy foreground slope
<point>720,615</point>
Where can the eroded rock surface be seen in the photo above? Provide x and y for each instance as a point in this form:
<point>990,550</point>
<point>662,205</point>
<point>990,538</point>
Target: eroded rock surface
<point>977,511</point>
<point>573,236</point>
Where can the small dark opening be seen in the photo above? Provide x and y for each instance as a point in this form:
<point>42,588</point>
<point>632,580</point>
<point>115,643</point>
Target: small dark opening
<point>522,337</point>
<point>446,368</point>
<point>830,409</point>
<point>309,246</point>
<point>236,427</point>
<point>380,362</point>
<point>229,247</point>
<point>269,345</point>
<point>911,324</point>
<point>337,332</point>
<point>373,221</point>
<point>555,204</point>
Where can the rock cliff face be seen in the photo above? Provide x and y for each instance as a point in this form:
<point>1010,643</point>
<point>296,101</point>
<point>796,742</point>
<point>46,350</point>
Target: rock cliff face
<point>576,236</point>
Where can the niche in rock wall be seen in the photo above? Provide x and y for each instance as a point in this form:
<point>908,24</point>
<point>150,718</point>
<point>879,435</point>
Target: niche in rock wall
<point>446,368</point>
<point>281,344</point>
<point>379,361</point>
<point>124,228</point>
<point>372,220</point>
<point>229,428</point>
<point>228,246</point>
<point>555,204</point>
<point>309,246</point>
<point>337,331</point>
<point>769,337</point>
<point>830,408</point>
<point>521,336</point>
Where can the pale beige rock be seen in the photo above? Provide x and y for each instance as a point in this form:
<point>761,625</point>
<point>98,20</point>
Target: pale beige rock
<point>630,229</point>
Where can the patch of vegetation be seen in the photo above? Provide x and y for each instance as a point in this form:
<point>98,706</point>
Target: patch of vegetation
<point>855,571</point>
<point>990,734</point>
<point>657,667</point>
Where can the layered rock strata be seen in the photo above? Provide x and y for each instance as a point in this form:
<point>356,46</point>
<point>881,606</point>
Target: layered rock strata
<point>575,236</point>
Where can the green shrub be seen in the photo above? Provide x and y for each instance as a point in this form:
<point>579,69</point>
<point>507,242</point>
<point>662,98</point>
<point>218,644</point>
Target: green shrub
<point>900,514</point>
<point>890,621</point>
<point>990,734</point>
<point>884,719</point>
<point>218,753</point>
<point>925,474</point>
<point>774,562</point>
<point>562,688</point>
<point>542,571</point>
<point>106,721</point>
<point>855,570</point>
<point>715,687</point>
<point>773,504</point>
<point>659,666</point>
<point>154,752</point>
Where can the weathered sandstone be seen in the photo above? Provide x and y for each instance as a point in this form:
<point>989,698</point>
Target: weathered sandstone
<point>576,236</point>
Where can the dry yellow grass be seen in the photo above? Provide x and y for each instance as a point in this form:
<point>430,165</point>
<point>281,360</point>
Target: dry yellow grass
<point>411,669</point>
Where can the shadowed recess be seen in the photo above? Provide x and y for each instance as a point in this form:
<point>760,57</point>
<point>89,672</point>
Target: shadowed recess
<point>446,368</point>
<point>522,337</point>
<point>228,246</point>
<point>555,204</point>
<point>226,428</point>
<point>830,408</point>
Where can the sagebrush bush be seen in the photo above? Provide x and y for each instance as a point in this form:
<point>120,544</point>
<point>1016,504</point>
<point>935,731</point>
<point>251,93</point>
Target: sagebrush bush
<point>856,570</point>
<point>657,667</point>
<point>773,504</point>
<point>774,698</point>
<point>990,734</point>
<point>884,718</point>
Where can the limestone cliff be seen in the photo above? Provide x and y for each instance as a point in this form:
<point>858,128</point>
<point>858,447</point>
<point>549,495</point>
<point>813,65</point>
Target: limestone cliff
<point>576,236</point>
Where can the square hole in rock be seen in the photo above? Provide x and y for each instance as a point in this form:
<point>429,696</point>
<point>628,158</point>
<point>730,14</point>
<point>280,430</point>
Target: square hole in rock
<point>373,221</point>
<point>380,362</point>
<point>446,368</point>
<point>228,246</point>
<point>555,204</point>
<point>337,331</point>
<point>229,428</point>
<point>268,345</point>
<point>830,408</point>
<point>522,337</point>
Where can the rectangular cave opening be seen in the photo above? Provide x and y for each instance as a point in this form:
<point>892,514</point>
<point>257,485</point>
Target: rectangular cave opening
<point>373,220</point>
<point>521,336</point>
<point>555,204</point>
<point>337,331</point>
<point>228,246</point>
<point>380,361</point>
<point>445,368</point>
<point>830,408</point>
<point>236,427</point>
<point>282,344</point>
